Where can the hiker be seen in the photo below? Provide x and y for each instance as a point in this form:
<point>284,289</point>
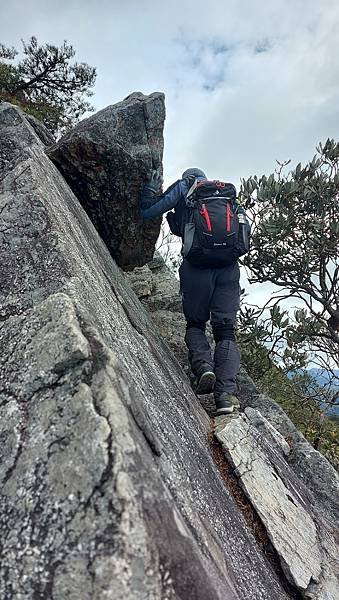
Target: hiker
<point>215,232</point>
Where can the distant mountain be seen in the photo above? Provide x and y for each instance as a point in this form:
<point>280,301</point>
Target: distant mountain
<point>323,378</point>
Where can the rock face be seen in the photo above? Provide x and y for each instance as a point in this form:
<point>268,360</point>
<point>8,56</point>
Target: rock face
<point>42,132</point>
<point>158,290</point>
<point>105,160</point>
<point>293,488</point>
<point>108,485</point>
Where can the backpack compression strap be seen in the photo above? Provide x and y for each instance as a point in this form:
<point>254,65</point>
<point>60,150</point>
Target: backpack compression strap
<point>191,190</point>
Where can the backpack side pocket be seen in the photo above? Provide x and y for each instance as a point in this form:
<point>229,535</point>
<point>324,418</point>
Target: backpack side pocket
<point>188,238</point>
<point>243,236</point>
<point>173,224</point>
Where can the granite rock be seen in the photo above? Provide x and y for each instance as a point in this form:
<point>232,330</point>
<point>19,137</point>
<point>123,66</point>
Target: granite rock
<point>105,159</point>
<point>272,488</point>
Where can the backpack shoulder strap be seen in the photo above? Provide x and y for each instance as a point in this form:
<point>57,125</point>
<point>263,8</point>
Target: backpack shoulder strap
<point>192,187</point>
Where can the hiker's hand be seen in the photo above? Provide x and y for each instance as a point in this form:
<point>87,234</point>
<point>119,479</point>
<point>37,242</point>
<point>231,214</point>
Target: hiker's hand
<point>154,182</point>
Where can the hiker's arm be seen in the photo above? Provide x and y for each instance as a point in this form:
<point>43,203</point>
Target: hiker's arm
<point>156,206</point>
<point>148,198</point>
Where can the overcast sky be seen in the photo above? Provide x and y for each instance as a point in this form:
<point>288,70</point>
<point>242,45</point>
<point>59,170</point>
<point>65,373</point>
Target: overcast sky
<point>246,81</point>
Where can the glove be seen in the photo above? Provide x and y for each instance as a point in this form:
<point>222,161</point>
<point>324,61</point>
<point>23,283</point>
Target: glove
<point>154,182</point>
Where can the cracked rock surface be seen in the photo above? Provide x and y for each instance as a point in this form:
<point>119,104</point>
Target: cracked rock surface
<point>108,488</point>
<point>105,160</point>
<point>275,494</point>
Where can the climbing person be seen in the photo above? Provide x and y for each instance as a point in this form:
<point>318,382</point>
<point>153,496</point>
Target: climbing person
<point>215,233</point>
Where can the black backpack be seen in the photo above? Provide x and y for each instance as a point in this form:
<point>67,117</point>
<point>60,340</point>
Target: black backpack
<point>215,235</point>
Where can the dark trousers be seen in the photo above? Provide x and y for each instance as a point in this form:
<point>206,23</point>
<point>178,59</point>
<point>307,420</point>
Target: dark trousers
<point>212,294</point>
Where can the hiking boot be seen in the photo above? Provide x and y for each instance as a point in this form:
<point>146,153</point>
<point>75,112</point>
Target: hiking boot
<point>224,404</point>
<point>206,381</point>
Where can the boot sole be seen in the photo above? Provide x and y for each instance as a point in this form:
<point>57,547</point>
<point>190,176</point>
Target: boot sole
<point>225,411</point>
<point>206,383</point>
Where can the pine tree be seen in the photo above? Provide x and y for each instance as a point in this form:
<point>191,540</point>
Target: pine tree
<point>46,83</point>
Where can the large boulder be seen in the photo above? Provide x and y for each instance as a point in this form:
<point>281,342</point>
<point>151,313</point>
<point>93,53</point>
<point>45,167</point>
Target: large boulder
<point>105,160</point>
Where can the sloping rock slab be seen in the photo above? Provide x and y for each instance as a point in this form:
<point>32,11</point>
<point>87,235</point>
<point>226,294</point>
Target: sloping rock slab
<point>311,466</point>
<point>82,502</point>
<point>105,160</point>
<point>273,490</point>
<point>41,130</point>
<point>107,487</point>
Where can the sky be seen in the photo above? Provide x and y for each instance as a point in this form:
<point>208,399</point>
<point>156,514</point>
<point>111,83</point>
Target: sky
<point>247,82</point>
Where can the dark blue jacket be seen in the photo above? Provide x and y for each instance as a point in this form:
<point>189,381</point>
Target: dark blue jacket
<point>153,206</point>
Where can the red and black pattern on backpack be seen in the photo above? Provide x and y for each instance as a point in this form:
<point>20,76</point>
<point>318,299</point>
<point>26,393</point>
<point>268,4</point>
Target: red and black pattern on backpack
<point>212,228</point>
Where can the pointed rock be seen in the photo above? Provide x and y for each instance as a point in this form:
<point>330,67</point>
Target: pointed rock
<point>105,160</point>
